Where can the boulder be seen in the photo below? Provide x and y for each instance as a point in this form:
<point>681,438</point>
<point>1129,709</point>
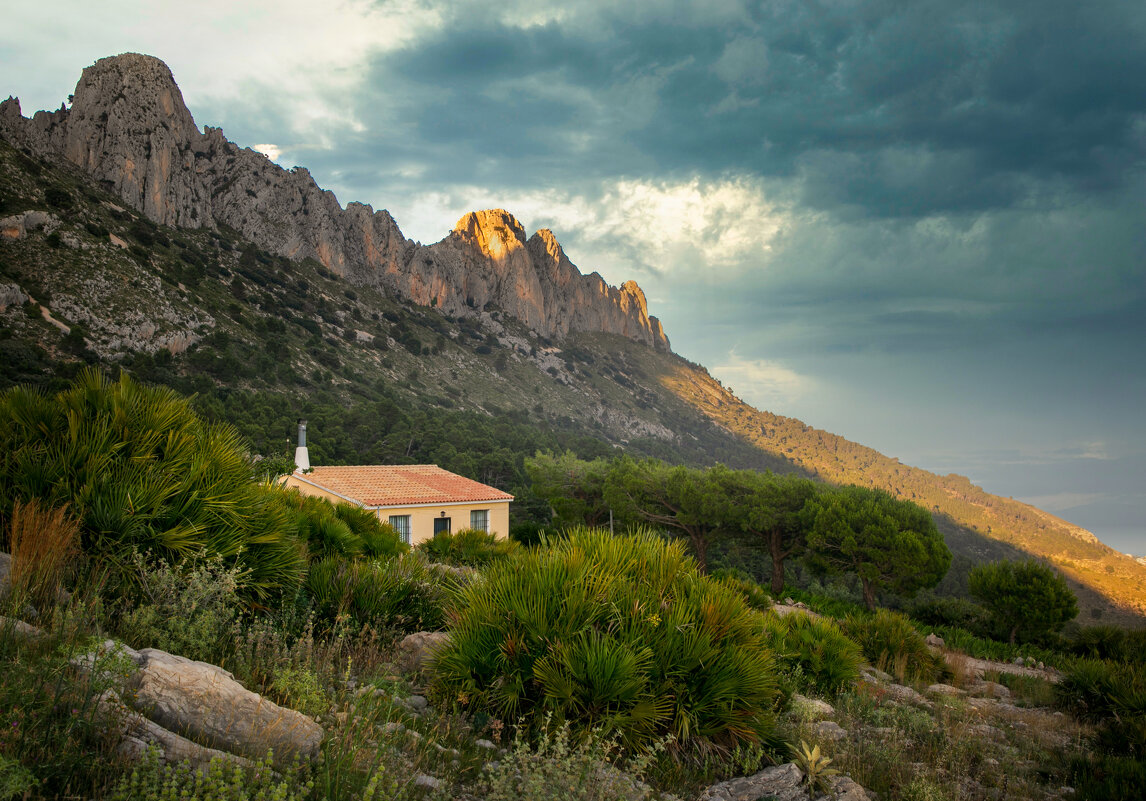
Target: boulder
<point>19,628</point>
<point>830,730</point>
<point>811,708</point>
<point>935,641</point>
<point>205,703</point>
<point>419,648</point>
<point>946,690</point>
<point>138,733</point>
<point>781,783</point>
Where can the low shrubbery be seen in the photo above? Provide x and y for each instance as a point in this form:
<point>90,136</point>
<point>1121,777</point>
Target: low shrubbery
<point>621,633</point>
<point>406,593</point>
<point>814,653</point>
<point>891,643</point>
<point>220,781</point>
<point>340,529</point>
<point>139,469</point>
<point>189,609</point>
<point>467,547</point>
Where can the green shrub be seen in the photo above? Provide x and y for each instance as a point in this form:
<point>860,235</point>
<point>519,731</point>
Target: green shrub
<point>187,609</point>
<point>406,593</point>
<point>340,529</point>
<point>958,612</point>
<point>52,740</point>
<point>467,547</point>
<point>559,766</point>
<point>622,633</point>
<point>221,781</point>
<point>138,468</point>
<point>1094,689</point>
<point>754,595</point>
<point>1100,642</point>
<point>891,643</point>
<point>814,652</point>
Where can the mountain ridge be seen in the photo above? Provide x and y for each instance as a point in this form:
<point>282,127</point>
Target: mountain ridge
<point>212,305</point>
<point>129,128</point>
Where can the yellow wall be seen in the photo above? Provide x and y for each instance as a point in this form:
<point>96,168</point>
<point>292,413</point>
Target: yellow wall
<point>422,517</point>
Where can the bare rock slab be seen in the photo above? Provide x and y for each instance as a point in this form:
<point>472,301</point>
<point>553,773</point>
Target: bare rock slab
<point>204,703</point>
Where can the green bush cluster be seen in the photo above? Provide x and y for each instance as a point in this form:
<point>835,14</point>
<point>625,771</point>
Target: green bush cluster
<point>138,468</point>
<point>151,780</point>
<point>340,529</point>
<point>406,593</point>
<point>189,609</point>
<point>814,652</point>
<point>891,643</point>
<point>467,547</point>
<point>622,633</point>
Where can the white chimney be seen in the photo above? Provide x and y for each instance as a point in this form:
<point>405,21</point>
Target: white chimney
<point>301,457</point>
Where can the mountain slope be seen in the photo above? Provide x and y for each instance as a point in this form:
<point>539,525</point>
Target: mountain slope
<point>473,353</point>
<point>129,129</point>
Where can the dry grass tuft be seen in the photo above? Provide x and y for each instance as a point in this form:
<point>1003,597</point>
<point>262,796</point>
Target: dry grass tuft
<point>42,542</point>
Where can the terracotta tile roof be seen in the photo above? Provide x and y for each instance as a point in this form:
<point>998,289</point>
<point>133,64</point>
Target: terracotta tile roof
<point>401,485</point>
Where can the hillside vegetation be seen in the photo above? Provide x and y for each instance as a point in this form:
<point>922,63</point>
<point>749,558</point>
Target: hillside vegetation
<point>260,340</point>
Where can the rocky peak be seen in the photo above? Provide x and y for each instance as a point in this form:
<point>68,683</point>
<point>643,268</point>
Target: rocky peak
<point>495,232</point>
<point>129,128</point>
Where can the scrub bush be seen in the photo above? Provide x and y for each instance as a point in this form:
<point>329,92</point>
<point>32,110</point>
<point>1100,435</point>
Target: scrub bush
<point>406,593</point>
<point>620,633</point>
<point>891,643</point>
<point>468,547</point>
<point>815,652</point>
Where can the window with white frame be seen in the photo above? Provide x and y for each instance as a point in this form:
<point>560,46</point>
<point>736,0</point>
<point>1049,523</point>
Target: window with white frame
<point>479,519</point>
<point>401,524</point>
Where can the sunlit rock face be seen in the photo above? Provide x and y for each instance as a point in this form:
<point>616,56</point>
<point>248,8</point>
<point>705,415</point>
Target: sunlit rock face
<point>129,128</point>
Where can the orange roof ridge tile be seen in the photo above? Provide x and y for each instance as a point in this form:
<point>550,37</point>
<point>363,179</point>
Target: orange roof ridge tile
<point>401,485</point>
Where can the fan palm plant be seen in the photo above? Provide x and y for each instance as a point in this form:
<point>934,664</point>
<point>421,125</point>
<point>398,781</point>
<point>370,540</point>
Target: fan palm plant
<point>622,633</point>
<point>140,469</point>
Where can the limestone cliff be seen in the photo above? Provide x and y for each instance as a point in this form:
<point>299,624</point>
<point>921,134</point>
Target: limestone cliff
<point>130,129</point>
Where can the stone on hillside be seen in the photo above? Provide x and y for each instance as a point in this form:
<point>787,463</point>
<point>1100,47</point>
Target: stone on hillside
<point>843,788</point>
<point>875,673</point>
<point>206,704</point>
<point>811,708</point>
<point>19,628</point>
<point>830,730</point>
<point>782,783</point>
<point>899,694</point>
<point>946,690</point>
<point>5,575</point>
<point>935,641</point>
<point>138,733</point>
<point>990,689</point>
<point>419,648</point>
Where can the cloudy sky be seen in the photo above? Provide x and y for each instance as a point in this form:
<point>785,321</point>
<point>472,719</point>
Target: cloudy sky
<point>919,225</point>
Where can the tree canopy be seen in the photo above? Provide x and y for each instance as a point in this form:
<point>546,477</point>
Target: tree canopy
<point>1025,598</point>
<point>891,545</point>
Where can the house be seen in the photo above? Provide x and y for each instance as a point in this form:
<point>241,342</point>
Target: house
<point>417,500</point>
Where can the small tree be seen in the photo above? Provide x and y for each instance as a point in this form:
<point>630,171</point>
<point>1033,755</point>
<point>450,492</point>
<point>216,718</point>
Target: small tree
<point>767,510</point>
<point>1028,598</point>
<point>891,545</point>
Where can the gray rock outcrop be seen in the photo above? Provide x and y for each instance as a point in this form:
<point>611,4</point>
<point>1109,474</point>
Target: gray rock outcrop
<point>205,704</point>
<point>782,783</point>
<point>129,128</point>
<point>418,649</point>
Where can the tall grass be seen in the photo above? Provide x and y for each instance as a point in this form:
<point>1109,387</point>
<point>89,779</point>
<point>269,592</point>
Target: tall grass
<point>42,543</point>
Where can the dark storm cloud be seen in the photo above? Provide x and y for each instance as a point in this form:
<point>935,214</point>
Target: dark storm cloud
<point>883,109</point>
